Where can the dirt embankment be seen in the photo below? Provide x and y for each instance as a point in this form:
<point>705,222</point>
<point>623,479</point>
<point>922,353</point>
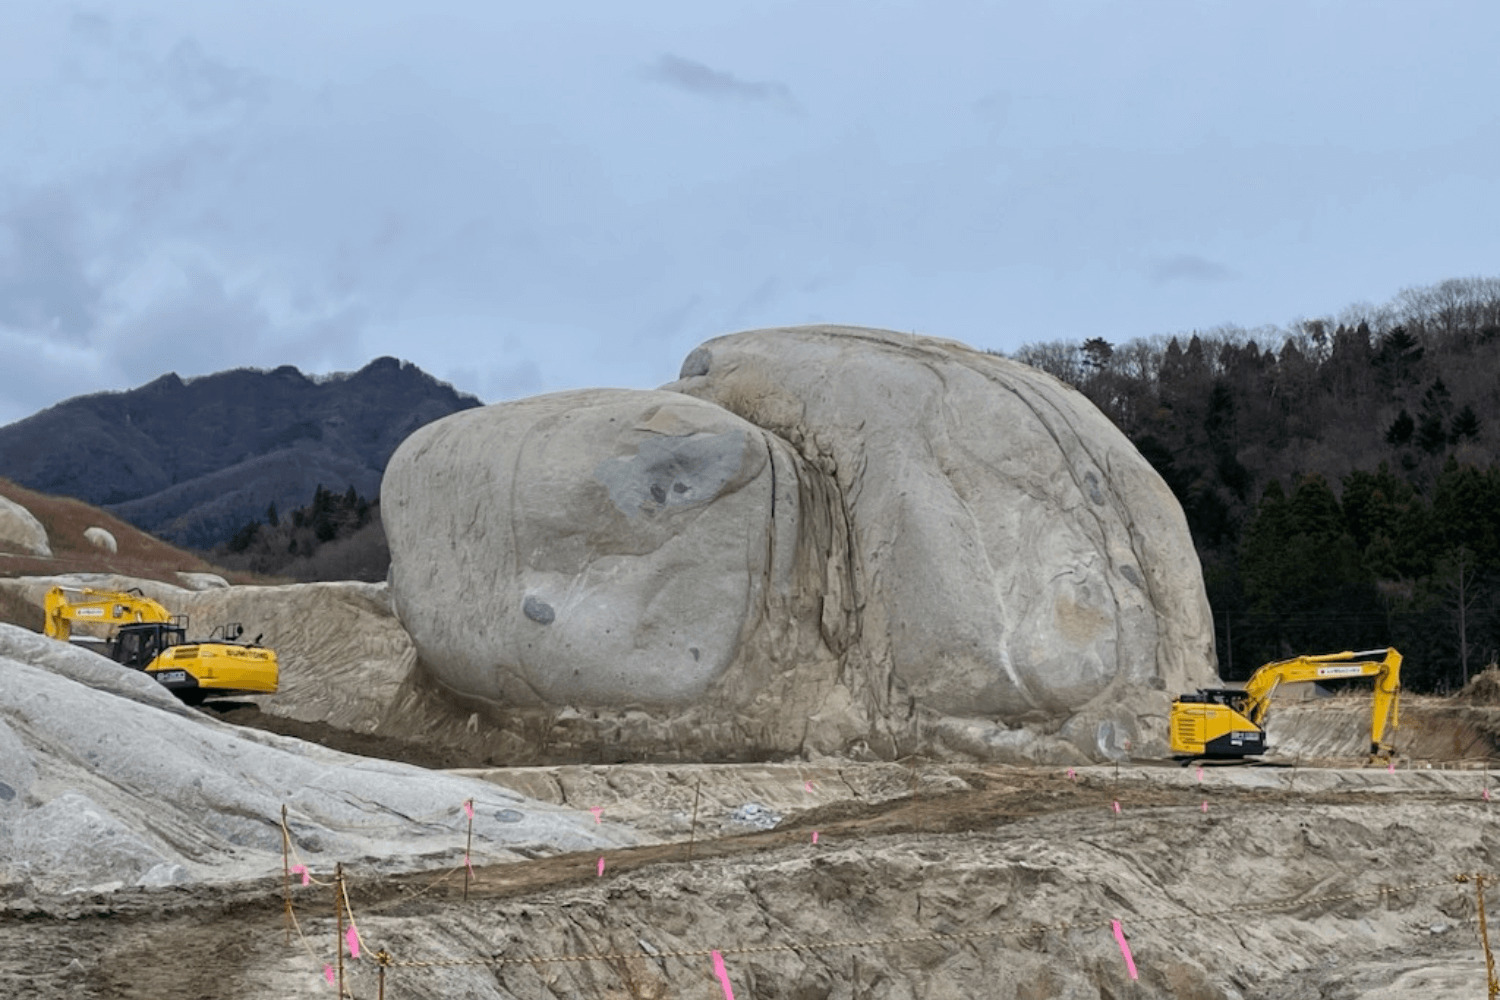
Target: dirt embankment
<point>991,882</point>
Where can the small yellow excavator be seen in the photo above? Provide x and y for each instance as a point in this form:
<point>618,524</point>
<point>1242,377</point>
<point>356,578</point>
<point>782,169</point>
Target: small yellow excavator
<point>1230,722</point>
<point>145,636</point>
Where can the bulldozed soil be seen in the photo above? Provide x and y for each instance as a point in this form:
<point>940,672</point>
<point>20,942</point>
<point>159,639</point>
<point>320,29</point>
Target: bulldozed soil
<point>927,880</point>
<point>1312,874</point>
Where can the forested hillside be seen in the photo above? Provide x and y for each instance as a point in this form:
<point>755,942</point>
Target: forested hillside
<point>1339,475</point>
<point>192,460</point>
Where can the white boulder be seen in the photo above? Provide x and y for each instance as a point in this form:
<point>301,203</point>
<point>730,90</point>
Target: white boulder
<point>21,532</point>
<point>102,539</point>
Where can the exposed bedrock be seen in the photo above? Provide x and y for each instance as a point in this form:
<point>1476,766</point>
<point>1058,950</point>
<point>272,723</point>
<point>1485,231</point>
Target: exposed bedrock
<point>819,539</point>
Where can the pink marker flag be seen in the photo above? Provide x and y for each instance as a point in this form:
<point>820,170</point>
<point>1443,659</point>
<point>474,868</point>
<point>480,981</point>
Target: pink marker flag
<point>815,836</point>
<point>1486,795</point>
<point>1200,774</point>
<point>1125,949</point>
<point>352,939</point>
<point>597,811</point>
<point>601,866</point>
<point>471,868</point>
<point>723,975</point>
<point>1072,774</point>
<point>303,869</point>
<point>469,808</point>
<point>328,974</point>
<point>807,785</point>
<point>1205,805</point>
<point>1117,807</point>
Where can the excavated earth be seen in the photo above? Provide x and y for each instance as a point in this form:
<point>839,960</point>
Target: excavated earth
<point>1317,878</point>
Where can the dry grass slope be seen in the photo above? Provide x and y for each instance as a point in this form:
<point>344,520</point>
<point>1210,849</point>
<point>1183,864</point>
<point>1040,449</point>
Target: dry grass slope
<point>66,519</point>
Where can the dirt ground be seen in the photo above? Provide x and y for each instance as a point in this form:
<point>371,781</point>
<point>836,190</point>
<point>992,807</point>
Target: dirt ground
<point>998,882</point>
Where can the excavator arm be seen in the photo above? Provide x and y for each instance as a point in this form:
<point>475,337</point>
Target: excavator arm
<point>65,605</point>
<point>1333,666</point>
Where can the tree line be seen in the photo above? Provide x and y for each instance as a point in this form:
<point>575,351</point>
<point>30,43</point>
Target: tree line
<point>338,536</point>
<point>1338,474</point>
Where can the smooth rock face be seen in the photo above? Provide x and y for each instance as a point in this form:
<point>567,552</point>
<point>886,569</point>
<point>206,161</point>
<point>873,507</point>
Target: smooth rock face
<point>101,538</point>
<point>819,539</point>
<point>21,532</point>
<point>1019,558</point>
<point>599,548</point>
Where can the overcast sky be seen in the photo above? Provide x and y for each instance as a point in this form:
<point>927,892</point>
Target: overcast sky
<point>528,197</point>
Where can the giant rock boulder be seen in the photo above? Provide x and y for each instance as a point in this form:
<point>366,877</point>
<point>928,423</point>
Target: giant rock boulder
<point>819,539</point>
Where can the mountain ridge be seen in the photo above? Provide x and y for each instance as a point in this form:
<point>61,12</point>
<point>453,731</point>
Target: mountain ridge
<point>192,460</point>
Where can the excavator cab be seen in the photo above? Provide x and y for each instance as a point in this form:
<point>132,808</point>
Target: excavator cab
<point>135,646</point>
<point>1214,722</point>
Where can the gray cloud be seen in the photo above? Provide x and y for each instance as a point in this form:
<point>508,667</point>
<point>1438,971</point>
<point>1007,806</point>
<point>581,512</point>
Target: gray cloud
<point>44,284</point>
<point>199,82</point>
<point>696,78</point>
<point>92,26</point>
<point>1190,267</point>
<point>205,84</point>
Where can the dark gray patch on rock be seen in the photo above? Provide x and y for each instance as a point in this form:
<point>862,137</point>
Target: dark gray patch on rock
<point>538,610</point>
<point>696,363</point>
<point>683,471</point>
<point>6,792</point>
<point>509,815</point>
<point>1129,573</point>
<point>1094,493</point>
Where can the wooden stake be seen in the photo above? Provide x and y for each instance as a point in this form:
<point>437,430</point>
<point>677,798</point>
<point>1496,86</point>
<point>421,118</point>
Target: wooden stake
<point>693,830</point>
<point>286,878</point>
<point>338,919</point>
<point>1484,936</point>
<point>468,847</point>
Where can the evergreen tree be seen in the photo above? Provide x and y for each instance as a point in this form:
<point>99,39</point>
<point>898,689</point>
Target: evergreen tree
<point>1465,425</point>
<point>1401,429</point>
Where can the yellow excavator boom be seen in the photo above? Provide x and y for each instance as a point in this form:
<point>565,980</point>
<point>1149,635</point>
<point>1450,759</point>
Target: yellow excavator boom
<point>64,605</point>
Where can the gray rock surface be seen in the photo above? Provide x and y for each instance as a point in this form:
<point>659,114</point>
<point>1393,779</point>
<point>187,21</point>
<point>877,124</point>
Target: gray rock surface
<point>202,581</point>
<point>611,548</point>
<point>102,539</point>
<point>855,540</point>
<point>21,532</point>
<point>1018,556</point>
<point>150,793</point>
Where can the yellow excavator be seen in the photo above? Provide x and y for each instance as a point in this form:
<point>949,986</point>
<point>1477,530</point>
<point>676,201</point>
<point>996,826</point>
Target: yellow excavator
<point>1230,722</point>
<point>145,636</point>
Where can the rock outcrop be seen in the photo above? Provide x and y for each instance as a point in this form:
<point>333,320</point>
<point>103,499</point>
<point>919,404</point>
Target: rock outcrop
<point>102,539</point>
<point>819,539</point>
<point>21,532</point>
<point>153,793</point>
